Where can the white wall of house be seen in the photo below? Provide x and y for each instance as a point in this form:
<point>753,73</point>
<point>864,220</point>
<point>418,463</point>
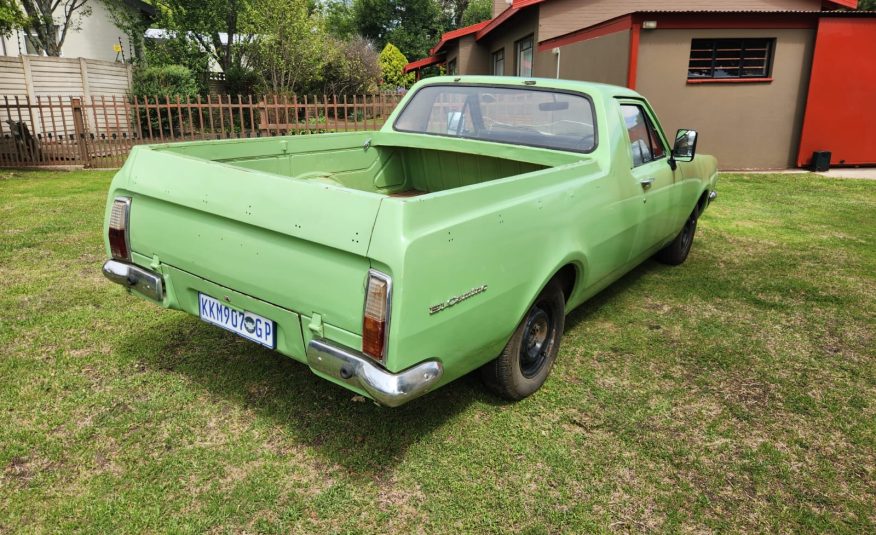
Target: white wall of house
<point>94,40</point>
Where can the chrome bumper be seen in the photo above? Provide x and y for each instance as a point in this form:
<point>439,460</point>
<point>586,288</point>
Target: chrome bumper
<point>135,278</point>
<point>355,369</point>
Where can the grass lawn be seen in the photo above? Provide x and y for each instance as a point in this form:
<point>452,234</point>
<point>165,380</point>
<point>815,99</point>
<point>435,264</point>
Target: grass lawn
<point>736,392</point>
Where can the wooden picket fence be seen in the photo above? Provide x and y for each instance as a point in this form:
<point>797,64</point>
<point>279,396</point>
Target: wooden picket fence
<point>99,131</point>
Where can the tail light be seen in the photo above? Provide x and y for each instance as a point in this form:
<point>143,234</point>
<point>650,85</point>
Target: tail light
<point>375,324</point>
<point>120,245</point>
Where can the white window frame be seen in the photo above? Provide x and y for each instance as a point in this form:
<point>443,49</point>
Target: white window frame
<point>522,46</point>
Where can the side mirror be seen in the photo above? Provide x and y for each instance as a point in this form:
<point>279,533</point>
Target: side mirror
<point>685,145</point>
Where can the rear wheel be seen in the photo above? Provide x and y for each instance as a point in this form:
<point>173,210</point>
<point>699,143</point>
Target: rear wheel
<point>527,359</point>
<point>676,252</point>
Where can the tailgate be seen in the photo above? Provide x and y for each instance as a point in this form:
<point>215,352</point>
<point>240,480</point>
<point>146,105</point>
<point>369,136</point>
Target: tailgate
<point>296,244</point>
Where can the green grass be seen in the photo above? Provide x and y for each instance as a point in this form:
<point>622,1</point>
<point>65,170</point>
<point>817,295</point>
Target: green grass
<point>736,392</point>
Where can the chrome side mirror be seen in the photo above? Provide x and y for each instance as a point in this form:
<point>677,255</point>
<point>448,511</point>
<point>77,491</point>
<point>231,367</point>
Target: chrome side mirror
<point>685,145</point>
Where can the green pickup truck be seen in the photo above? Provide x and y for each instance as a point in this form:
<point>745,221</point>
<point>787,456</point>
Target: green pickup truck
<point>455,238</point>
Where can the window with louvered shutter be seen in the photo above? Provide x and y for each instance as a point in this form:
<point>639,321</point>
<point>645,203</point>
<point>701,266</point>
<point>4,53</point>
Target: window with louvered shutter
<point>730,58</point>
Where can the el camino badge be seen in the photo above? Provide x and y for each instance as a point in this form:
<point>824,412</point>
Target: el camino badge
<point>457,299</point>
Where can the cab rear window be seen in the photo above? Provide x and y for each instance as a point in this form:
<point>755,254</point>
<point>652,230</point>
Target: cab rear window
<point>534,117</point>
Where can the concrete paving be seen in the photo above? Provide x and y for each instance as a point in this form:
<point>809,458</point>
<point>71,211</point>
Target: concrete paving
<point>864,173</point>
<point>867,173</point>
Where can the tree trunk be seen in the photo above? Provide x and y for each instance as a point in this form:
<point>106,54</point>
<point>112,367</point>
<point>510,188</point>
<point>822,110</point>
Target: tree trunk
<point>231,30</point>
<point>45,36</point>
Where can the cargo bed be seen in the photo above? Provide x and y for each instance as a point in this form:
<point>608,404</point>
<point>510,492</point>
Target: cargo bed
<point>374,162</point>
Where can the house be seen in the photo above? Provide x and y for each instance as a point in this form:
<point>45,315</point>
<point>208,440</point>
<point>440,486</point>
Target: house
<point>94,61</point>
<point>765,82</point>
<point>98,38</point>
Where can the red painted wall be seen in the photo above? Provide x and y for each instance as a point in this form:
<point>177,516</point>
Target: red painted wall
<point>841,107</point>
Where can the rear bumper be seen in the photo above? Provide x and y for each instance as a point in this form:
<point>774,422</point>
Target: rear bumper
<point>327,358</point>
<point>356,370</point>
<point>135,278</point>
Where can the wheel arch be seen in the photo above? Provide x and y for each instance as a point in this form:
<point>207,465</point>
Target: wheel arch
<point>570,272</point>
<point>568,276</point>
<point>703,201</point>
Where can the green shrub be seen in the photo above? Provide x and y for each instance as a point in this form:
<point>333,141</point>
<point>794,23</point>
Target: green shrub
<point>392,65</point>
<point>241,81</point>
<point>178,49</point>
<point>164,80</point>
<point>155,85</point>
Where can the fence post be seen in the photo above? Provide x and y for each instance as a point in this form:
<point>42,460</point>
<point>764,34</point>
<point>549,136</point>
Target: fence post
<point>28,76</point>
<point>83,73</point>
<point>79,130</point>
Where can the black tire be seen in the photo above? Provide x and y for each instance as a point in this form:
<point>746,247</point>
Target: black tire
<point>528,357</point>
<point>676,252</point>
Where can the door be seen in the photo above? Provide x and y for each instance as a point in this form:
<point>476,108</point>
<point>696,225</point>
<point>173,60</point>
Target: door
<point>649,168</point>
<point>839,110</point>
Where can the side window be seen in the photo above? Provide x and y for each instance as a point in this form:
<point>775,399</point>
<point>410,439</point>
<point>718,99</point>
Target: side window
<point>645,144</point>
<point>657,149</point>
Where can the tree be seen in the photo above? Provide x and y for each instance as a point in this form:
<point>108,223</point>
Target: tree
<point>46,31</point>
<point>866,5</point>
<point>477,11</point>
<point>412,25</point>
<point>204,21</point>
<point>392,65</point>
<point>288,44</point>
<point>453,11</point>
<point>352,67</point>
<point>11,17</point>
<point>339,18</point>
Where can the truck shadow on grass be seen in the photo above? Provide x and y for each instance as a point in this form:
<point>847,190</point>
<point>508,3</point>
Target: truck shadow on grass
<point>620,286</point>
<point>343,428</point>
<point>307,411</point>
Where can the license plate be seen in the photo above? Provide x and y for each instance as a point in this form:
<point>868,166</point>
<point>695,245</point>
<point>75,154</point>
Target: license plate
<point>246,324</point>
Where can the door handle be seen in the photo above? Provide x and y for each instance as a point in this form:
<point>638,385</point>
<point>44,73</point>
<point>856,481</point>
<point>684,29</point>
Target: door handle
<point>646,183</point>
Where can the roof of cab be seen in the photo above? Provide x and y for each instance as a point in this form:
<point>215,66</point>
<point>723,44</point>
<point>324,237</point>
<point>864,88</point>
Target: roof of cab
<point>590,88</point>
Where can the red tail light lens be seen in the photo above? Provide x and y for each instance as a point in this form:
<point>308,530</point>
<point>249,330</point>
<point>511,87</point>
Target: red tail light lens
<point>376,317</point>
<point>120,246</point>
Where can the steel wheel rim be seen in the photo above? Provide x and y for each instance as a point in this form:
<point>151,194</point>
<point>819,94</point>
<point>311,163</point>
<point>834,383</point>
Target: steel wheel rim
<point>687,237</point>
<point>537,334</point>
